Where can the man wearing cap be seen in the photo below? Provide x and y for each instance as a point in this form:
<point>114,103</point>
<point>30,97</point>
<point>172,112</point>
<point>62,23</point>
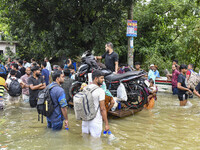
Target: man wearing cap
<point>36,84</point>
<point>151,73</point>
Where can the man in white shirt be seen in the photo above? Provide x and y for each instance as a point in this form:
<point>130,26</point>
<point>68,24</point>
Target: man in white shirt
<point>48,67</point>
<point>94,126</point>
<point>13,99</point>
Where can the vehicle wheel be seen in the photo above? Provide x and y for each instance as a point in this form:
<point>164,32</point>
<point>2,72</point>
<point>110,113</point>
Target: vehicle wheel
<point>137,96</point>
<point>75,88</point>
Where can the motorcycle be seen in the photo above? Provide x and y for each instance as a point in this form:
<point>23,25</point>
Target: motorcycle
<point>136,94</point>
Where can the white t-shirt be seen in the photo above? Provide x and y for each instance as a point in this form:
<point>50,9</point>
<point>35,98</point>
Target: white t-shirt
<point>48,67</point>
<point>8,81</point>
<point>98,95</point>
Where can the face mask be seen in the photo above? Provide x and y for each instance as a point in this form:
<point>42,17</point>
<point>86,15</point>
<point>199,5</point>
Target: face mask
<point>37,74</point>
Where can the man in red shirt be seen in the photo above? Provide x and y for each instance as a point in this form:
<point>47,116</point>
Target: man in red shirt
<point>190,70</point>
<point>174,77</point>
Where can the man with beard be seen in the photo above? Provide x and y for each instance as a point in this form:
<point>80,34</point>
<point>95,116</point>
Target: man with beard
<point>94,126</point>
<point>111,58</point>
<point>25,87</point>
<point>57,93</point>
<point>36,83</point>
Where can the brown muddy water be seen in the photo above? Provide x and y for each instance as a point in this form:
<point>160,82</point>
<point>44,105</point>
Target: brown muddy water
<point>166,127</point>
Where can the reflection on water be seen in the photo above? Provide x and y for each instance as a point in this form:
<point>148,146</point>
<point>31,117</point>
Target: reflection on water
<point>167,126</point>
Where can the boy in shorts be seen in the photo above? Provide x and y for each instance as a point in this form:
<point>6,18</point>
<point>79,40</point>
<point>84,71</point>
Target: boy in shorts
<point>181,85</point>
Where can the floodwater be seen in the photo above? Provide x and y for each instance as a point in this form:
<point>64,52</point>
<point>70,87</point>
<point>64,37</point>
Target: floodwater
<point>167,126</point>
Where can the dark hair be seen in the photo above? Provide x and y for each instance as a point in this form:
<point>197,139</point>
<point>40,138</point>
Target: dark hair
<point>151,81</point>
<point>137,63</point>
<point>20,62</point>
<point>62,66</point>
<point>56,75</point>
<point>15,65</point>
<point>12,72</point>
<point>66,72</point>
<point>44,64</point>
<point>35,68</point>
<point>175,60</point>
<point>96,74</point>
<point>183,66</point>
<point>110,45</point>
<point>34,64</point>
<point>33,59</point>
<point>191,65</point>
<point>71,66</point>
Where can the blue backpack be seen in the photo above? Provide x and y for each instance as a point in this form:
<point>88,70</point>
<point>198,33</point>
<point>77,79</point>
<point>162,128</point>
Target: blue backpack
<point>2,69</point>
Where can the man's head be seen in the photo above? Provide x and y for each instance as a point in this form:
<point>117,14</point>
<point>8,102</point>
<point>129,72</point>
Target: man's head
<point>15,66</point>
<point>152,67</point>
<point>137,65</point>
<point>67,72</point>
<point>43,65</point>
<point>36,71</point>
<point>12,72</point>
<point>175,62</point>
<point>183,68</point>
<point>190,66</point>
<point>20,63</point>
<point>46,59</point>
<point>61,67</point>
<point>32,60</point>
<point>72,69</point>
<point>109,47</point>
<point>151,82</point>
<point>98,77</point>
<point>173,67</point>
<point>58,77</point>
<point>24,61</point>
<point>28,70</point>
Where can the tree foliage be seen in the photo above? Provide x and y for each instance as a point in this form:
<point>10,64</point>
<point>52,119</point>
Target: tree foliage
<point>167,30</point>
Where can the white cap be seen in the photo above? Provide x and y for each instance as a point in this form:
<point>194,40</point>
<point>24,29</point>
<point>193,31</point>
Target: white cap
<point>151,65</point>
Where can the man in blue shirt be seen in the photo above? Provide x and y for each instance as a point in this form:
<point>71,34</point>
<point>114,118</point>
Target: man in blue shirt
<point>151,73</point>
<point>55,121</point>
<point>45,72</point>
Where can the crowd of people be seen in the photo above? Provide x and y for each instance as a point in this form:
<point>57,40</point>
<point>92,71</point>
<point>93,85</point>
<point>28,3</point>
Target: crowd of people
<point>23,79</point>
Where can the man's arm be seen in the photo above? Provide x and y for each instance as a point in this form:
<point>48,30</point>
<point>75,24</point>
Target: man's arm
<point>183,88</point>
<point>116,66</point>
<point>36,87</point>
<point>43,86</point>
<point>64,112</point>
<point>104,114</point>
<point>98,57</point>
<point>196,93</point>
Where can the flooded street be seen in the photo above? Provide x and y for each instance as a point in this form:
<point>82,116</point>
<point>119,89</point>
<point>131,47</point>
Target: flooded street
<point>167,126</point>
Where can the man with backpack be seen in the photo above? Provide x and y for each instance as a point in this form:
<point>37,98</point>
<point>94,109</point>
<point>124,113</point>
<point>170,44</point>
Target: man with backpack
<point>36,84</point>
<point>14,87</point>
<point>93,112</point>
<point>57,95</point>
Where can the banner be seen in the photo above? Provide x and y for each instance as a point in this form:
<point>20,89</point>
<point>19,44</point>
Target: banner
<point>131,28</point>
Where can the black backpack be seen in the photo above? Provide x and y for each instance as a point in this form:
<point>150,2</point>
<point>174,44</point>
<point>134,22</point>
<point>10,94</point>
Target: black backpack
<point>45,104</point>
<point>15,88</point>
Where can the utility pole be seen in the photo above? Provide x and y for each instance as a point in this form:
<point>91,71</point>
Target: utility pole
<point>130,54</point>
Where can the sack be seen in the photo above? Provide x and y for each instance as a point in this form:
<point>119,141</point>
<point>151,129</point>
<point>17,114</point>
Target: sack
<point>84,104</point>
<point>45,104</point>
<point>193,81</point>
<point>15,88</point>
<point>121,93</point>
<point>2,69</point>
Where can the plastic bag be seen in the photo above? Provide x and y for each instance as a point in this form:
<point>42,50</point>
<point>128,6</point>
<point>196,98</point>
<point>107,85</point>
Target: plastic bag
<point>121,93</point>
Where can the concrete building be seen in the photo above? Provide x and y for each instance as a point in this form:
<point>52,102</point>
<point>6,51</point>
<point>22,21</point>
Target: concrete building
<point>5,45</point>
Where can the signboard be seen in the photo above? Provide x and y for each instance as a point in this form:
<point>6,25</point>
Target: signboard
<point>131,28</point>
